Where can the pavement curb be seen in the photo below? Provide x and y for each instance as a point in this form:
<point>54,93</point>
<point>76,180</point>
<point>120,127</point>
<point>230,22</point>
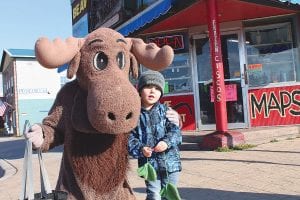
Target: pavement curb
<point>255,136</point>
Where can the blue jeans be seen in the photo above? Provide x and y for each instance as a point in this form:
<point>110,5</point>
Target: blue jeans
<point>154,187</point>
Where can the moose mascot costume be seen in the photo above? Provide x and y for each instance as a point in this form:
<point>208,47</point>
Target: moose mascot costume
<point>93,114</point>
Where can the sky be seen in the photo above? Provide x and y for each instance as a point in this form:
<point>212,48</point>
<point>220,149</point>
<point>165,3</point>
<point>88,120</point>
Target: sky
<point>22,22</point>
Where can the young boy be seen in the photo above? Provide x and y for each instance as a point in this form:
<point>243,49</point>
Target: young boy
<point>155,139</point>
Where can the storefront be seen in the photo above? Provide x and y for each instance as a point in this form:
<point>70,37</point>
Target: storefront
<point>260,51</point>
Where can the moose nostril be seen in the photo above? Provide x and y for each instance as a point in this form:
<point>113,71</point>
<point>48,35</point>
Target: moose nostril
<point>129,115</point>
<point>111,116</point>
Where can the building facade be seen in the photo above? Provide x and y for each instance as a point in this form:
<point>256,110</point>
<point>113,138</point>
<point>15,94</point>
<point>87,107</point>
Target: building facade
<point>28,87</point>
<point>259,41</point>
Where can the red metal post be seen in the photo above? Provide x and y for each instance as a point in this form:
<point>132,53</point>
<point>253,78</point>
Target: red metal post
<point>217,66</point>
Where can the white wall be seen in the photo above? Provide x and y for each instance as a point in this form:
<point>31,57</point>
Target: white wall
<point>35,81</point>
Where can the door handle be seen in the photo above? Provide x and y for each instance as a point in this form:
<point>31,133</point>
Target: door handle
<point>245,75</point>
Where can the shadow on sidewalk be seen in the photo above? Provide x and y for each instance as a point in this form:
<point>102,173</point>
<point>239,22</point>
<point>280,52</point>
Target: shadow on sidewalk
<point>211,194</point>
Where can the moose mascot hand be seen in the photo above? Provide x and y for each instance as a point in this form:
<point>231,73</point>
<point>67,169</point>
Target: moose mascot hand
<point>93,114</point>
<point>35,135</point>
<point>174,117</point>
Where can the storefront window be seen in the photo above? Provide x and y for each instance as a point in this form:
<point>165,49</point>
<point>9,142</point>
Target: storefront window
<point>143,4</point>
<point>232,79</point>
<point>134,7</point>
<point>270,55</point>
<point>178,75</point>
<point>204,60</point>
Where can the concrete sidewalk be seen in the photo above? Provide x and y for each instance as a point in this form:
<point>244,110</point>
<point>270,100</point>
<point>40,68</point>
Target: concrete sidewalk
<point>269,171</point>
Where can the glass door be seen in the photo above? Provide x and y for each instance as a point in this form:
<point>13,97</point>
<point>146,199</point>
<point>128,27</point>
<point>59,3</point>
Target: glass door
<point>236,100</point>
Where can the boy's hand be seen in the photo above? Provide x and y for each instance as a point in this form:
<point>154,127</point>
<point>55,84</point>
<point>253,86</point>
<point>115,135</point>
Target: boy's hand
<point>161,146</point>
<point>147,151</point>
<point>35,135</point>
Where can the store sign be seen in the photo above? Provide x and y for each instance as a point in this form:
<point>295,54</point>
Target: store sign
<point>79,8</point>
<point>184,105</point>
<point>275,106</point>
<point>24,91</point>
<point>175,41</point>
<point>255,71</point>
<point>230,92</point>
<point>255,67</point>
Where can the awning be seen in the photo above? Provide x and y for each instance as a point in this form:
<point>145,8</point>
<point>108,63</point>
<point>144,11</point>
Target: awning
<point>229,10</point>
<point>151,13</point>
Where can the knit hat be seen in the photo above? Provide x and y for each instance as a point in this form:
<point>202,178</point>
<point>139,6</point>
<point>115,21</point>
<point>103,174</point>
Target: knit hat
<point>151,78</point>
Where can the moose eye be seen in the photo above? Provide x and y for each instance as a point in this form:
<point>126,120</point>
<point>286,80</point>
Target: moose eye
<point>100,61</point>
<point>121,60</point>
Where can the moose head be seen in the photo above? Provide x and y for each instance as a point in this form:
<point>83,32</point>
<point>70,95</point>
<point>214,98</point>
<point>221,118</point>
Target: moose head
<point>102,63</point>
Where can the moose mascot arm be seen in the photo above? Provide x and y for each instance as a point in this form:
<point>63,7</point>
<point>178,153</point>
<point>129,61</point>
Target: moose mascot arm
<point>93,114</point>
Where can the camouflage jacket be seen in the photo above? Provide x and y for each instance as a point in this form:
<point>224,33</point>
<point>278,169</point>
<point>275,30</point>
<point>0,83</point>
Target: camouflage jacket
<point>153,126</point>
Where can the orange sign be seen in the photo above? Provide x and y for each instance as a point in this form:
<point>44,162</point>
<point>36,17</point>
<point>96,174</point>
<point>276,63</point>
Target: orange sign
<point>255,67</point>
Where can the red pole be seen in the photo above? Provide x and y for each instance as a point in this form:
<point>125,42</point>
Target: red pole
<point>217,66</point>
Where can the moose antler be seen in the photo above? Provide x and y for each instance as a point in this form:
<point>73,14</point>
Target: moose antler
<point>151,55</point>
<point>54,54</point>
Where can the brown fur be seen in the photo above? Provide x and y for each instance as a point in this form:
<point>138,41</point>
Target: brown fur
<point>93,114</point>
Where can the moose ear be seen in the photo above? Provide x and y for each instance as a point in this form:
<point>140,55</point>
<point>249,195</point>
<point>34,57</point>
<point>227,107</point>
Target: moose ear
<point>52,54</point>
<point>150,55</point>
<point>73,66</point>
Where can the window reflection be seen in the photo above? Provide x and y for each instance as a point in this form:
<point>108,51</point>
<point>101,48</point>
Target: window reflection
<point>203,60</point>
<point>178,75</point>
<point>270,55</point>
<point>232,76</point>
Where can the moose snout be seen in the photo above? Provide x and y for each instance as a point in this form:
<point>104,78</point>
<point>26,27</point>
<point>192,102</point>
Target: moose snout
<point>112,116</point>
<point>118,111</point>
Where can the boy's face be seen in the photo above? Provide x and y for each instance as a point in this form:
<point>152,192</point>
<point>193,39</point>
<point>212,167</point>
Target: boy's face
<point>150,94</point>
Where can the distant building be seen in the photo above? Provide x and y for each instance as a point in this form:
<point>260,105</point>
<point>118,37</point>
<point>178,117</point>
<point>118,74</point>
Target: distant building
<point>28,87</point>
<point>1,85</point>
